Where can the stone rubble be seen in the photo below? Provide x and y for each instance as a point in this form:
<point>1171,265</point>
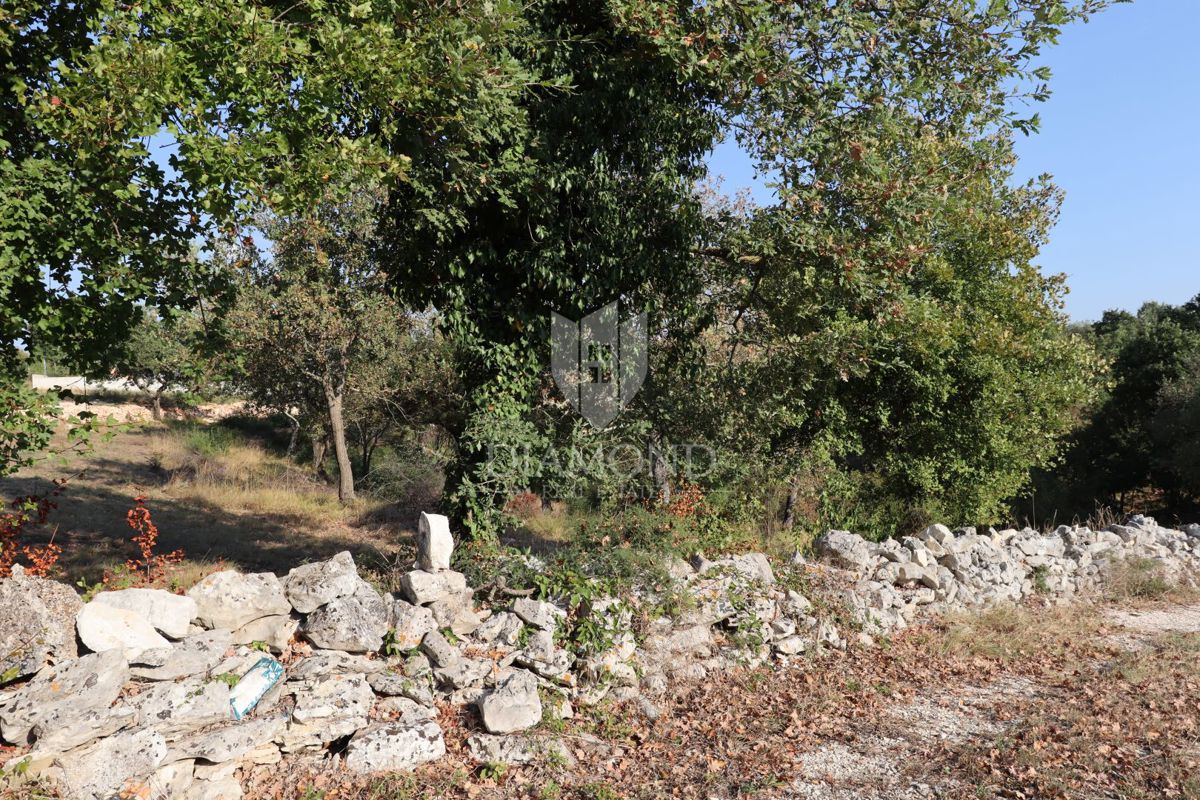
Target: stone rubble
<point>170,614</point>
<point>366,673</point>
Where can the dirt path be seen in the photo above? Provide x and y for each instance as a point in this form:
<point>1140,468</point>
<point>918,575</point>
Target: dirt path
<point>1012,703</point>
<point>883,758</point>
<point>878,762</point>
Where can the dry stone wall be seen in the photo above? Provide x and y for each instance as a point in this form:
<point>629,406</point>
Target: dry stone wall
<point>157,695</point>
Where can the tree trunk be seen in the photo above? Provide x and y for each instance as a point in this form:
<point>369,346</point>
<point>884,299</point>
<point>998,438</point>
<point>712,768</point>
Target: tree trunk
<point>789,508</point>
<point>156,408</point>
<point>337,429</point>
<point>294,434</point>
<point>369,452</point>
<point>320,447</point>
<point>660,471</point>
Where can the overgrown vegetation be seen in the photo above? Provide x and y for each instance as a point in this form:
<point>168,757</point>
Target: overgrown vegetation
<point>499,162</point>
<point>1133,449</point>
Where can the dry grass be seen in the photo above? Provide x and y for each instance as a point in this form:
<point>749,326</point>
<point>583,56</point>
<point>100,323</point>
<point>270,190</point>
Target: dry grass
<point>1016,634</point>
<point>207,469</point>
<point>219,494</point>
<point>1140,579</point>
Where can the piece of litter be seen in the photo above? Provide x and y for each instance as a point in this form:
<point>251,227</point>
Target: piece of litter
<point>253,685</point>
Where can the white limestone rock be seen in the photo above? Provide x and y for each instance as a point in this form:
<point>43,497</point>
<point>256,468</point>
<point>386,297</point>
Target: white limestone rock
<point>514,750</point>
<point>62,696</point>
<point>846,550</point>
<point>332,662</point>
<point>356,623</point>
<point>171,614</point>
<point>440,651</point>
<point>96,723</point>
<point>410,623</point>
<point>190,656</point>
<point>99,771</point>
<point>328,708</point>
<point>422,588</point>
<point>37,623</point>
<point>275,632</point>
<point>395,747</point>
<point>104,627</point>
<point>313,585</point>
<point>228,742</point>
<point>230,599</point>
<point>541,615</point>
<point>502,629</point>
<point>514,705</point>
<point>435,545</point>
<point>175,708</point>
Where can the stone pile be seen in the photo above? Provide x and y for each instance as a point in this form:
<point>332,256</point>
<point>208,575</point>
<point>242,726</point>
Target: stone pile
<point>131,692</point>
<point>142,705</point>
<point>941,570</point>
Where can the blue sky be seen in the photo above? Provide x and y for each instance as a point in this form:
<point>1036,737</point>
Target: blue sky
<point>1121,135</point>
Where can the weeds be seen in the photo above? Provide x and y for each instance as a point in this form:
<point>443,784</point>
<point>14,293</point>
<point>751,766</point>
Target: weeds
<point>17,784</point>
<point>1013,634</point>
<point>151,568</point>
<point>1038,576</point>
<point>1138,579</point>
<point>28,511</point>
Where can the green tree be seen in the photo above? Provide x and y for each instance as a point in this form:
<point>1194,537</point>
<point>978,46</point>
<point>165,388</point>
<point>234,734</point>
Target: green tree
<point>164,354</point>
<point>314,320</point>
<point>129,130</point>
<point>884,132</point>
<point>1175,429</point>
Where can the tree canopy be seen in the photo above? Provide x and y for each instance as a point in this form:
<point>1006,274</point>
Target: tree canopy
<point>880,323</point>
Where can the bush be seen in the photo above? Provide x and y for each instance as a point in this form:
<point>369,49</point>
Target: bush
<point>1139,579</point>
<point>208,440</point>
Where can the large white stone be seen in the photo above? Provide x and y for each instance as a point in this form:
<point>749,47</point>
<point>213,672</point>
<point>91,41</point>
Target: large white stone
<point>103,627</point>
<point>313,585</point>
<point>327,709</point>
<point>435,545</point>
<point>190,656</point>
<point>333,662</point>
<point>174,708</point>
<point>230,599</point>
<point>37,623</point>
<point>514,705</point>
<point>333,696</point>
<point>53,738</point>
<point>502,629</point>
<point>395,747</point>
<point>356,623</point>
<point>59,697</point>
<point>544,657</point>
<point>846,550</point>
<point>171,614</point>
<point>545,616</point>
<point>514,750</point>
<point>103,769</point>
<point>275,632</point>
<point>410,623</point>
<point>421,587</point>
<point>227,743</point>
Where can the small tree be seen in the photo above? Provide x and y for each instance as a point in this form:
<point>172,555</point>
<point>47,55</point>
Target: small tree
<point>161,355</point>
<point>314,321</point>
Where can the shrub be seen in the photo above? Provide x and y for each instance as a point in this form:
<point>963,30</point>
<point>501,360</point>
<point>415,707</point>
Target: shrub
<point>1140,579</point>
